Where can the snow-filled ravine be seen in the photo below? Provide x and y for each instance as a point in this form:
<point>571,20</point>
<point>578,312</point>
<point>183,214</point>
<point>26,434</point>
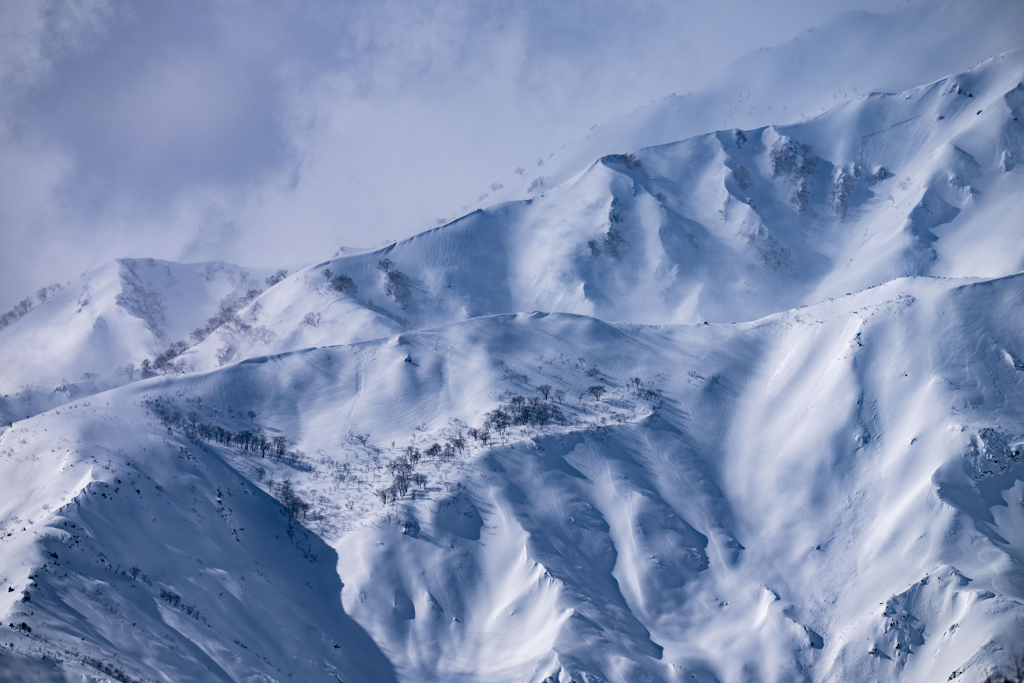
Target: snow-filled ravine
<point>744,407</point>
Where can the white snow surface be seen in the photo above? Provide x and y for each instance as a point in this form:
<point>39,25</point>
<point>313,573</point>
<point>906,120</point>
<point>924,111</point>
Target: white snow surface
<point>707,229</point>
<point>851,55</point>
<point>782,373</point>
<point>70,345</point>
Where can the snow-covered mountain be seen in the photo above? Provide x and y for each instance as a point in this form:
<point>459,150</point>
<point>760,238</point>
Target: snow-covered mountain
<point>728,226</point>
<point>740,407</point>
<point>73,337</point>
<point>838,61</point>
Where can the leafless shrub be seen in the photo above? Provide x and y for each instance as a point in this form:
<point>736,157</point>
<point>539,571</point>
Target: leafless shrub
<point>127,370</point>
<point>397,284</point>
<point>45,293</point>
<point>276,277</point>
<point>20,309</point>
<point>344,284</point>
<point>741,176</point>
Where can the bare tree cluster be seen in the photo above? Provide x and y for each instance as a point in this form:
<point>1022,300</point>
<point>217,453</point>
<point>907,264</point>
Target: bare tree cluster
<point>127,370</point>
<point>630,161</point>
<point>344,284</point>
<point>741,176</point>
<point>405,478</point>
<point>278,276</point>
<point>251,441</point>
<point>165,362</point>
<point>45,293</point>
<point>787,158</point>
<point>645,391</point>
<point>511,375</point>
<point>614,241</point>
<point>20,309</point>
<point>397,284</point>
<point>520,411</point>
<point>224,315</point>
<point>175,601</point>
<point>286,495</point>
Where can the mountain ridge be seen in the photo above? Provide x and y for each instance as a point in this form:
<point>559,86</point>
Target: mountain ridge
<point>389,471</point>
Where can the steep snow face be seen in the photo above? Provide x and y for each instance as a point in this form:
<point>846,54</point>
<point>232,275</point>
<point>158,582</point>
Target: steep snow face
<point>723,227</point>
<point>301,311</point>
<point>382,468</point>
<point>853,54</point>
<point>70,344</point>
<point>148,559</point>
<point>821,493</point>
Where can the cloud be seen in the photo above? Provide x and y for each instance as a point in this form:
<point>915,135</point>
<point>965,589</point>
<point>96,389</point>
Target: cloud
<point>269,133</point>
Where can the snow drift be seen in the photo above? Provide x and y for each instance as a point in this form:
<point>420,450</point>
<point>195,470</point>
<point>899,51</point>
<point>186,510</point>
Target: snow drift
<point>765,426</point>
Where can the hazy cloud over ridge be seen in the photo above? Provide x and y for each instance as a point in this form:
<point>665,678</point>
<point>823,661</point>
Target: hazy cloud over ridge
<point>263,133</point>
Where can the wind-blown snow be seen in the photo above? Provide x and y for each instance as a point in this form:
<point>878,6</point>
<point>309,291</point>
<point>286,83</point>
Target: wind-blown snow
<point>71,344</point>
<point>768,429</point>
<point>723,227</point>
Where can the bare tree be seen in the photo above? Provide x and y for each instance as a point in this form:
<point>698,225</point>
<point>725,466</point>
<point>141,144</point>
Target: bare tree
<point>597,391</point>
<point>277,277</point>
<point>545,390</point>
<point>127,370</point>
<point>20,309</point>
<point>481,435</point>
<point>45,293</point>
<point>312,319</point>
<point>326,272</point>
<point>344,284</point>
<point>396,283</point>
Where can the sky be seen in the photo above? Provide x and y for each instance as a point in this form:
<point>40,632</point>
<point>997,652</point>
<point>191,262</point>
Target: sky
<point>271,134</point>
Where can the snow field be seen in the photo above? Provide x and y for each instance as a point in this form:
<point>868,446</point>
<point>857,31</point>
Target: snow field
<point>822,484</point>
<point>753,524</point>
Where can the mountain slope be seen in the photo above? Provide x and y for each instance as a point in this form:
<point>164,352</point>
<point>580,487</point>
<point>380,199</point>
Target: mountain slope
<point>766,427</point>
<point>836,62</point>
<point>751,508</point>
<point>69,345</point>
<point>729,226</point>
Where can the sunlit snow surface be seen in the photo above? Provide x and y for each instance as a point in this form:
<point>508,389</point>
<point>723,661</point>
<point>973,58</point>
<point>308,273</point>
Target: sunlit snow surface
<point>805,464</point>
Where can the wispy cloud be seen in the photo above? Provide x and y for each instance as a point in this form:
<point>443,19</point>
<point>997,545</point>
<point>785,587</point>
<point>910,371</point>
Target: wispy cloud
<point>266,132</point>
